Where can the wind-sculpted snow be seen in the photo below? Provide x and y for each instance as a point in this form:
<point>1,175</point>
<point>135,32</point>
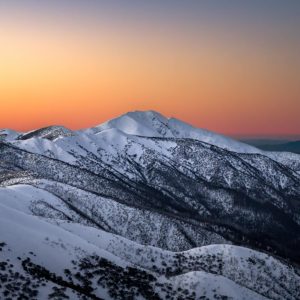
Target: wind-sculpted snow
<point>246,267</point>
<point>144,196</point>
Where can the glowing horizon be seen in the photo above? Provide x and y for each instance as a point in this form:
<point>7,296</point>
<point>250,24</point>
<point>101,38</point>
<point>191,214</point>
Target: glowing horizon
<point>233,69</point>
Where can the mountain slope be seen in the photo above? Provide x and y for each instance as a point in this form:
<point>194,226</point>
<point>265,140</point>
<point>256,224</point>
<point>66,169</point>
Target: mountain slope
<point>195,183</point>
<point>66,258</point>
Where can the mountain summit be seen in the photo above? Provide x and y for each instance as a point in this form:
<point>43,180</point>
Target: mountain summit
<point>153,124</point>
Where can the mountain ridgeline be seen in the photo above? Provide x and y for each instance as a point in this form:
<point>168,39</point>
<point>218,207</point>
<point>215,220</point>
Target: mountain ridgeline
<point>145,182</point>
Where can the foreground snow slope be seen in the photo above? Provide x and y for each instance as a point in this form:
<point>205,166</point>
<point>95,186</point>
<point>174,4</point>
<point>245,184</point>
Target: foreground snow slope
<point>51,256</point>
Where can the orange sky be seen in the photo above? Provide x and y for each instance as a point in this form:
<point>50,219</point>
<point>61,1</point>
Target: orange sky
<point>80,72</point>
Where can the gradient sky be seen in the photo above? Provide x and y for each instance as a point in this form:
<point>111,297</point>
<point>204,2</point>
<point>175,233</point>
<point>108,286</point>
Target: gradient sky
<point>228,66</point>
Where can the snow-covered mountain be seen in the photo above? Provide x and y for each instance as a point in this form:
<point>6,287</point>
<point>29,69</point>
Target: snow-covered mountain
<point>146,207</point>
<point>137,123</point>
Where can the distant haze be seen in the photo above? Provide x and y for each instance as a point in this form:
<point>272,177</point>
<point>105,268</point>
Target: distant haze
<point>273,137</point>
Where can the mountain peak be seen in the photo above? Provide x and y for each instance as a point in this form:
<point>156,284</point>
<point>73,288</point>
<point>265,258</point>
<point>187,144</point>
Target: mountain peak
<point>149,114</point>
<point>8,134</point>
<point>49,132</point>
<point>145,123</point>
<point>153,124</point>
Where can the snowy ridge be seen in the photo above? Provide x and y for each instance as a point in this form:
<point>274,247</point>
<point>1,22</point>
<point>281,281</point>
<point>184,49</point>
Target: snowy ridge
<point>50,133</point>
<point>209,271</point>
<point>138,123</point>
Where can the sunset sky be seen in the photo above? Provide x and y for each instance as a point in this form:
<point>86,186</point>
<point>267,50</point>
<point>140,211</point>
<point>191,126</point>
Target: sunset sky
<point>228,66</point>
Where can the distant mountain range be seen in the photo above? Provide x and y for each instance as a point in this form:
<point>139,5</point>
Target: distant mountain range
<point>146,207</point>
<point>275,145</point>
